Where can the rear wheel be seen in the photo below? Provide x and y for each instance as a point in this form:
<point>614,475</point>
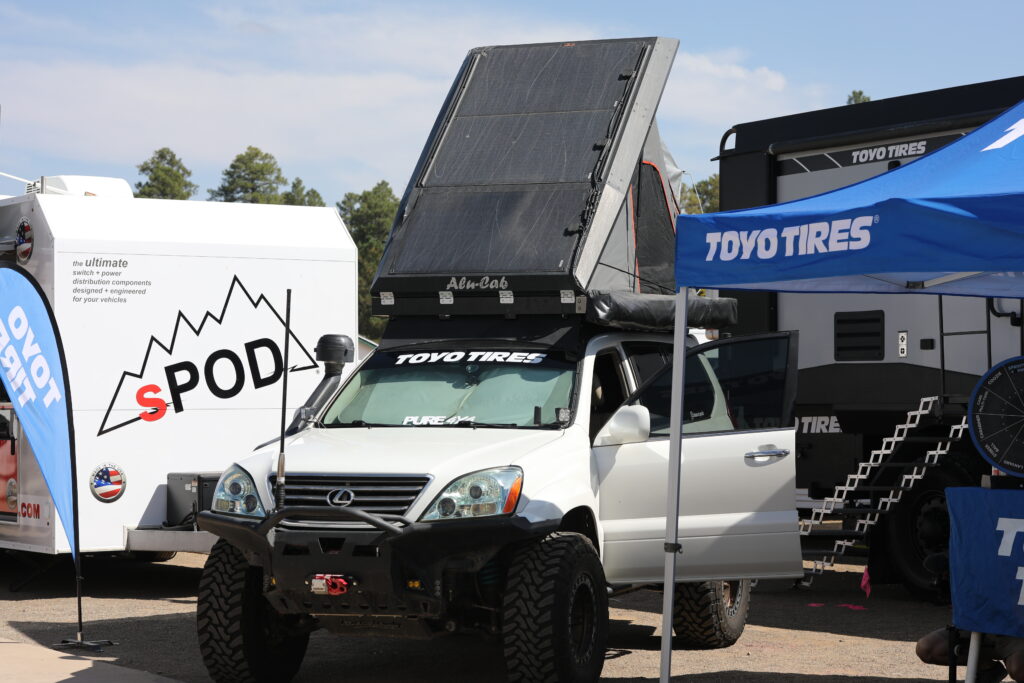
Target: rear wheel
<point>918,527</point>
<point>710,614</point>
<point>242,639</point>
<point>555,612</point>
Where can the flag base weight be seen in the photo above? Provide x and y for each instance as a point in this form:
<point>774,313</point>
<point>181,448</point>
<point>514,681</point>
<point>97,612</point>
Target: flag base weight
<point>91,645</point>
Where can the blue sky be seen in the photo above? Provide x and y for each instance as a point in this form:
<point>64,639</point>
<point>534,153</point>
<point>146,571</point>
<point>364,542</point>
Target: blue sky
<point>343,94</point>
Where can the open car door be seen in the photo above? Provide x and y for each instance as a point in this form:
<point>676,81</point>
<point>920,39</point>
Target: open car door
<point>738,514</point>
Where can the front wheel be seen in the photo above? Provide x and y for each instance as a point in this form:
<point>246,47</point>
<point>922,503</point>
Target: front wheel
<point>710,614</point>
<point>555,612</point>
<point>242,639</point>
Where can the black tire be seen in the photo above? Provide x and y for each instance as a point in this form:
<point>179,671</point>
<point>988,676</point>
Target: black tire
<point>241,638</point>
<point>555,612</point>
<point>919,527</point>
<point>710,614</point>
<point>151,555</point>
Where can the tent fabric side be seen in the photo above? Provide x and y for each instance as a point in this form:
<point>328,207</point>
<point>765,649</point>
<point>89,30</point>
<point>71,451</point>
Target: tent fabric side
<point>637,254</point>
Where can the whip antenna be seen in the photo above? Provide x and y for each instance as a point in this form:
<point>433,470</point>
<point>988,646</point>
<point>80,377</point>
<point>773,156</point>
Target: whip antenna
<point>279,485</point>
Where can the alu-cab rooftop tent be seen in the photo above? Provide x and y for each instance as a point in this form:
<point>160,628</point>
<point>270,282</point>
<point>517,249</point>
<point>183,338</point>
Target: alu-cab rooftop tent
<point>949,223</point>
<point>544,178</point>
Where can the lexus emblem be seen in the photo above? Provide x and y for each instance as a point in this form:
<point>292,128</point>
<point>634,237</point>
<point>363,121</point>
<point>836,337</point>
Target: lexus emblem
<point>340,498</point>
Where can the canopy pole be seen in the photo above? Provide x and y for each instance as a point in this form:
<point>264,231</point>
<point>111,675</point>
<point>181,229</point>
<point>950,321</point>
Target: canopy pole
<point>672,547</point>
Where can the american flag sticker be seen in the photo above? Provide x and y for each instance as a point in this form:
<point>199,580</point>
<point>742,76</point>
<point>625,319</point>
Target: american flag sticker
<point>107,483</point>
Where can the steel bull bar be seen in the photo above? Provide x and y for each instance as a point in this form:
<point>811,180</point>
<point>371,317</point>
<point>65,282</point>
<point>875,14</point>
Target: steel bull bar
<point>254,536</point>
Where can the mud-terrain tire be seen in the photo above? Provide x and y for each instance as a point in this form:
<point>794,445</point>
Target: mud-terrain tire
<point>241,638</point>
<point>555,612</point>
<point>707,615</point>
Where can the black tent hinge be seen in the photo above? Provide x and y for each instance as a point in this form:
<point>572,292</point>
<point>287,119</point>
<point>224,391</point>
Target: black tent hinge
<point>673,548</point>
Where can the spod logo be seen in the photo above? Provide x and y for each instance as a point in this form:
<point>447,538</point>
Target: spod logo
<point>225,355</point>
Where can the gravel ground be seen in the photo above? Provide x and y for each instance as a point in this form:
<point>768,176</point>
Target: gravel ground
<point>829,632</point>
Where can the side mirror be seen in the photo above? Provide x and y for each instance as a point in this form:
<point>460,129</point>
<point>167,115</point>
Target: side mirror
<point>334,350</point>
<point>629,424</point>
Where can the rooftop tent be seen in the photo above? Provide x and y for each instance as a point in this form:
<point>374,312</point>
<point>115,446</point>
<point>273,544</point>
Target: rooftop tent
<point>951,222</point>
<point>543,177</point>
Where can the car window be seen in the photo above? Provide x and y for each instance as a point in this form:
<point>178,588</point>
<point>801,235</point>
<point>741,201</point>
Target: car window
<point>738,385</point>
<point>752,374</point>
<point>647,358</point>
<point>705,405</point>
<point>453,386</point>
<point>608,390</point>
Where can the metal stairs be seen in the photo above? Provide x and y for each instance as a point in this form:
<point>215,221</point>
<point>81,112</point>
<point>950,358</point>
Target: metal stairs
<point>882,479</point>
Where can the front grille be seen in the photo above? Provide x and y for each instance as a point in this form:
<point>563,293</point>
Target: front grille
<point>376,494</point>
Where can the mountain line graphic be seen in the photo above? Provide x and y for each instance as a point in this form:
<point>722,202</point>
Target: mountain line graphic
<point>197,330</point>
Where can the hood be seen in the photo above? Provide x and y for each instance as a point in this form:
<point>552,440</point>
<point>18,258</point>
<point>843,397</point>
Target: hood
<point>439,451</point>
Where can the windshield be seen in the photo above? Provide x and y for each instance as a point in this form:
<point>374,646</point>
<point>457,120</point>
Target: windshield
<point>455,387</point>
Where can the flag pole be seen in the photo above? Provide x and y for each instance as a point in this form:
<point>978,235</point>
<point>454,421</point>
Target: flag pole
<point>672,547</point>
<point>79,641</point>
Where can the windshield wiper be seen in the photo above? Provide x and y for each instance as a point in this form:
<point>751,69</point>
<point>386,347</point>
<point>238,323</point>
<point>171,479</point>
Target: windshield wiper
<point>363,423</point>
<point>473,423</point>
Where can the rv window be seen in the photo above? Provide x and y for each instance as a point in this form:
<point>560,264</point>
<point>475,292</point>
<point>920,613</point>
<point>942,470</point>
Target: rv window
<point>860,335</point>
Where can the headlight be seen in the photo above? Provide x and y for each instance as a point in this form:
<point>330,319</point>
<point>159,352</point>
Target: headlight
<point>236,494</point>
<point>481,494</point>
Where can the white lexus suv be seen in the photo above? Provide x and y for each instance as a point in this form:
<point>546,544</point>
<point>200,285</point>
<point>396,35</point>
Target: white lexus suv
<point>506,488</point>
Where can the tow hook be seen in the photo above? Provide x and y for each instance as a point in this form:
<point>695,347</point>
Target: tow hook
<point>330,584</point>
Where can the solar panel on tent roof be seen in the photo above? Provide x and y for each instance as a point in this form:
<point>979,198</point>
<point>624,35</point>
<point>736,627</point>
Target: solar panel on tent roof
<point>510,180</point>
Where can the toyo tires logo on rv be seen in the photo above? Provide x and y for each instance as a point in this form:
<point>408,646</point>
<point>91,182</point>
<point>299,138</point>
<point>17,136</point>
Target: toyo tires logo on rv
<point>227,354</point>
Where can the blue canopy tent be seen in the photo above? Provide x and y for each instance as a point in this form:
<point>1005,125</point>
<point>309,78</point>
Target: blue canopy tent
<point>949,223</point>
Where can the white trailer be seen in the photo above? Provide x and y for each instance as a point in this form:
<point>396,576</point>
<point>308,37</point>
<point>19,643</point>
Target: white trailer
<point>172,318</point>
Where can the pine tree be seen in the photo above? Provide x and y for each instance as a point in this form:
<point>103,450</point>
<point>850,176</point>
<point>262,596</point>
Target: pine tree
<point>253,177</point>
<point>702,196</point>
<point>166,177</point>
<point>368,216</point>
<point>298,195</point>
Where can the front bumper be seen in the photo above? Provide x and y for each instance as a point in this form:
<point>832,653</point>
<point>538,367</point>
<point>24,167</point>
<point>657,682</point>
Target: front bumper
<point>397,568</point>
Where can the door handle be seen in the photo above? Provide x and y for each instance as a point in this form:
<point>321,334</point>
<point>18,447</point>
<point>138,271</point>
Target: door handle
<point>769,453</point>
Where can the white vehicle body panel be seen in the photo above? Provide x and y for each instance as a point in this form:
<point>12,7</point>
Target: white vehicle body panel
<point>138,285</point>
<point>737,516</point>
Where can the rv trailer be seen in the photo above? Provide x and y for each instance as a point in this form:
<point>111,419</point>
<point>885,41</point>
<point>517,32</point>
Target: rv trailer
<point>871,363</point>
